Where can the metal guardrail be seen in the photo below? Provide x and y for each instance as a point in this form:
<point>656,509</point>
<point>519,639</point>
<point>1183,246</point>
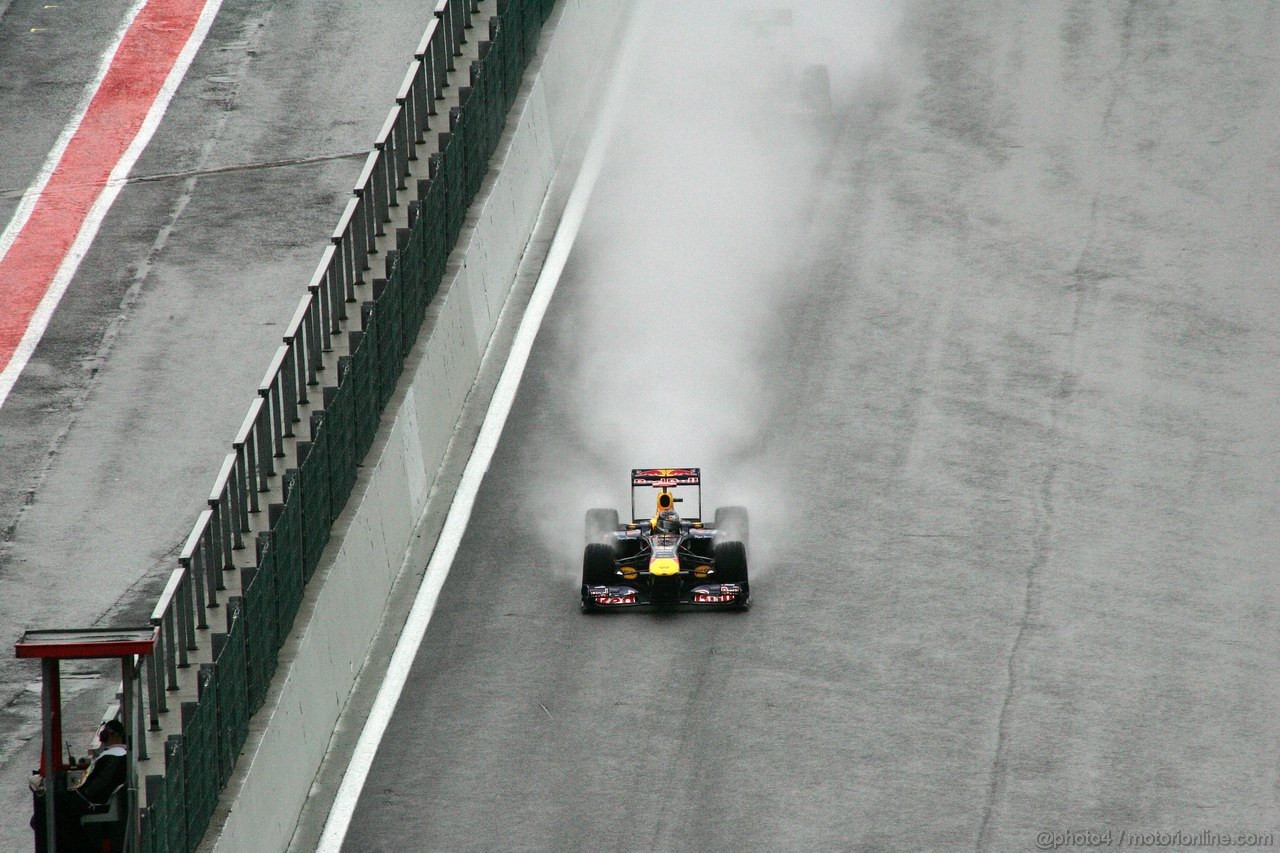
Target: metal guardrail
<point>317,407</point>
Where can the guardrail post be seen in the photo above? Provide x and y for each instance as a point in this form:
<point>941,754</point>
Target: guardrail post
<point>246,447</point>
<point>403,143</point>
<point>211,544</point>
<point>388,171</point>
<point>359,251</point>
<point>408,109</point>
<point>392,156</point>
<point>154,694</point>
<point>187,617</point>
<point>242,484</point>
<point>400,163</point>
<point>346,267</point>
<point>262,447</point>
<point>381,186</point>
<point>458,20</point>
<point>343,265</point>
<point>222,502</point>
<point>238,511</point>
<point>358,230</point>
<point>222,528</point>
<point>333,285</point>
<point>446,30</point>
<point>269,391</point>
<point>439,67</point>
<point>191,612</point>
<point>366,217</point>
<point>158,661</point>
<point>289,387</point>
<point>320,297</point>
<point>211,563</point>
<point>140,711</point>
<point>189,560</point>
<point>315,340</point>
<point>174,648</point>
<point>421,98</point>
<point>299,356</point>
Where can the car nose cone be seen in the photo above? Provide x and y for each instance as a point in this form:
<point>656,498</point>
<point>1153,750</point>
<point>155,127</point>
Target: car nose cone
<point>664,567</point>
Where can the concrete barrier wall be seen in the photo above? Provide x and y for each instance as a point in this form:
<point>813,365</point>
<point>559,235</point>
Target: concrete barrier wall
<point>344,607</point>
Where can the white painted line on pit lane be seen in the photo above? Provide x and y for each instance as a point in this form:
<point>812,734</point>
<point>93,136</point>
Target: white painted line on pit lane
<point>115,182</point>
<point>455,525</point>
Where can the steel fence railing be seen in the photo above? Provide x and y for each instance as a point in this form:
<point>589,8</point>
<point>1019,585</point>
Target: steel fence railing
<point>317,409</point>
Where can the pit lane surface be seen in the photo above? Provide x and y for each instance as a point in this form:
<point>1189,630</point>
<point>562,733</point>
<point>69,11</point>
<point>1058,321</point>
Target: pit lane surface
<point>1004,412</point>
<point>111,438</point>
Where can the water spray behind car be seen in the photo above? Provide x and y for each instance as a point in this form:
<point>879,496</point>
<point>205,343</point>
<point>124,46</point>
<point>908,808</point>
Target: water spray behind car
<point>695,237</point>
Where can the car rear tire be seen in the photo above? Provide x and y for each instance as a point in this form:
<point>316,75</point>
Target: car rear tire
<point>731,565</point>
<point>732,522</point>
<point>600,522</point>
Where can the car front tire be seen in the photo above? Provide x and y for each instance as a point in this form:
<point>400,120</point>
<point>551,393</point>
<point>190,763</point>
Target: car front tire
<point>731,566</point>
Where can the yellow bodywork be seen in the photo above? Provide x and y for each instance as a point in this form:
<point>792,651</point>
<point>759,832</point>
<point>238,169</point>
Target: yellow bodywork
<point>664,566</point>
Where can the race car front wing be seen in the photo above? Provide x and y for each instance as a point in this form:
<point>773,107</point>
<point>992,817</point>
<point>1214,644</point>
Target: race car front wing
<point>703,595</point>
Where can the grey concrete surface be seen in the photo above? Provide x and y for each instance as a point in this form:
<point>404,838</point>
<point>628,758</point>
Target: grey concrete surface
<point>114,432</point>
<point>998,386</point>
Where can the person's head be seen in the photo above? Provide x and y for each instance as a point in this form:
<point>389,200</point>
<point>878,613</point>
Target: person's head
<point>668,522</point>
<point>111,733</point>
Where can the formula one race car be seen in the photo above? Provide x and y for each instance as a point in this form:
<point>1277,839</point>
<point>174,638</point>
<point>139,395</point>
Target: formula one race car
<point>665,559</point>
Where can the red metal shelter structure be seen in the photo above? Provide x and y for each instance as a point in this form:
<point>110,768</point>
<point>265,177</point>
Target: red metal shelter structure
<point>51,647</point>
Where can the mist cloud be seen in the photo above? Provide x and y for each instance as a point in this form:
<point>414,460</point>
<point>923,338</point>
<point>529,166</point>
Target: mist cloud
<point>696,232</point>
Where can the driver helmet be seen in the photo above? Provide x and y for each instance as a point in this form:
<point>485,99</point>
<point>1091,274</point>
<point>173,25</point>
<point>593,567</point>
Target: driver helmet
<point>668,522</point>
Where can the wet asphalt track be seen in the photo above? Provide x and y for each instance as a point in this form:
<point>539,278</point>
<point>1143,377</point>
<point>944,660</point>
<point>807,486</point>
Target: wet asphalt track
<point>111,438</point>
<point>1019,408</point>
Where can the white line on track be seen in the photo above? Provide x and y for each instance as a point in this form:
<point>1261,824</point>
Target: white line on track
<point>115,182</point>
<point>455,525</point>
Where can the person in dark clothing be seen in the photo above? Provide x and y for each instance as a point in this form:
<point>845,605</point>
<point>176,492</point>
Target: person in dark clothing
<point>91,795</point>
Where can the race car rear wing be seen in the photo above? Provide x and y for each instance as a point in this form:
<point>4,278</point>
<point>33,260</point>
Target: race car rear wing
<point>666,479</point>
